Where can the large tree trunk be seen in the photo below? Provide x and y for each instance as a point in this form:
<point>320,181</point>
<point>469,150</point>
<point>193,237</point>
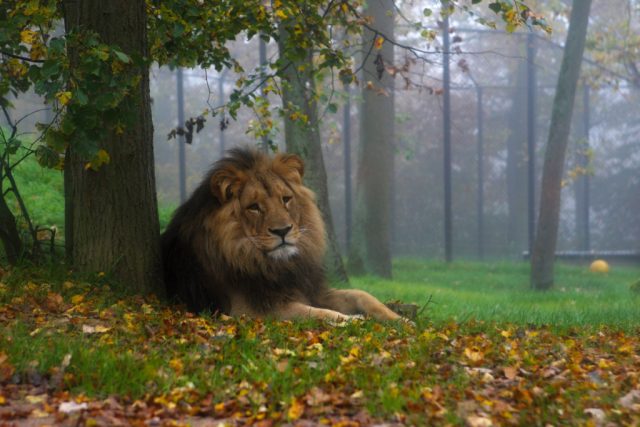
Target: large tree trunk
<point>517,164</point>
<point>112,214</point>
<point>304,139</point>
<point>371,243</point>
<point>544,248</point>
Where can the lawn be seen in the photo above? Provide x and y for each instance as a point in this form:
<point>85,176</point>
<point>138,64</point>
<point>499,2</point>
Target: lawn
<point>485,351</point>
<point>500,292</point>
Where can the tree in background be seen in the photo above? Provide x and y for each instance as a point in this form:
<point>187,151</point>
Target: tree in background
<point>302,126</point>
<point>371,245</point>
<point>516,173</point>
<point>544,247</point>
<point>95,76</point>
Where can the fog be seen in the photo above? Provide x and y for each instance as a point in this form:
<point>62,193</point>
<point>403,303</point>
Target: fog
<point>605,132</point>
<point>605,125</point>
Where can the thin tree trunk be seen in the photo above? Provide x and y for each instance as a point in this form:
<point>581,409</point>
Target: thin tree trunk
<point>112,216</point>
<point>304,139</point>
<point>517,165</point>
<point>13,247</point>
<point>544,248</point>
<point>371,243</point>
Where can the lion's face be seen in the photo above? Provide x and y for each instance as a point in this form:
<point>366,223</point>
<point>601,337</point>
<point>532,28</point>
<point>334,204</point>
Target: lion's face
<point>268,218</point>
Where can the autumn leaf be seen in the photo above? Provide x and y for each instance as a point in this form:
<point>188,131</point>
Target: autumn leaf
<point>474,354</point>
<point>510,372</point>
<point>63,97</point>
<point>296,409</point>
<point>101,158</point>
<point>379,42</point>
<point>28,36</point>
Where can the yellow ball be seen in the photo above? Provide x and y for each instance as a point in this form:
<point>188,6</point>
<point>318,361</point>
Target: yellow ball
<point>599,266</point>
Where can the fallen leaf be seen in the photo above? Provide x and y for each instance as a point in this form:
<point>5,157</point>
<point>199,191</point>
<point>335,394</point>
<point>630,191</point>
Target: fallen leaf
<point>77,299</point>
<point>295,410</point>
<point>510,372</point>
<point>630,399</point>
<point>474,354</point>
<point>69,407</point>
<point>597,414</point>
<point>478,421</point>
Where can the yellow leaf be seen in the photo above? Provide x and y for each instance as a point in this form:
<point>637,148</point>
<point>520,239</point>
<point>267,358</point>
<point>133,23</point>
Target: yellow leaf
<point>63,97</point>
<point>295,410</point>
<point>17,68</point>
<point>473,354</point>
<point>625,349</point>
<point>280,14</point>
<point>379,42</point>
<point>177,365</point>
<point>77,299</point>
<point>101,158</point>
<point>27,36</point>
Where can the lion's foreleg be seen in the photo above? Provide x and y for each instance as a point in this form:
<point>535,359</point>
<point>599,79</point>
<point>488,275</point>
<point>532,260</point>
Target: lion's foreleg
<point>353,301</point>
<point>297,310</point>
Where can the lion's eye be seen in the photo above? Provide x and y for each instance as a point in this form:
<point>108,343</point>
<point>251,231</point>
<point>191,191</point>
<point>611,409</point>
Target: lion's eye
<point>286,199</point>
<point>254,207</point>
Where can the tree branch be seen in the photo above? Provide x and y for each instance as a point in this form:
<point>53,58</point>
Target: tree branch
<point>22,58</point>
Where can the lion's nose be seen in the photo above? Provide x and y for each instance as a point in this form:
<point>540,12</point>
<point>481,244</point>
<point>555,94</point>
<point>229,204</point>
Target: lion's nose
<point>281,232</point>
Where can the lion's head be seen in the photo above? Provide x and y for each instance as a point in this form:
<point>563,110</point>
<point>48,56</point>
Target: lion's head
<point>267,219</point>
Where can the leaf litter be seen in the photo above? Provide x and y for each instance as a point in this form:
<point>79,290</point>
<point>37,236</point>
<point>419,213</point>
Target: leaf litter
<point>217,370</point>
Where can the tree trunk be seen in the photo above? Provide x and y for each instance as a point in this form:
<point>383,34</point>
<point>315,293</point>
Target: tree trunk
<point>304,139</point>
<point>544,248</point>
<point>13,247</point>
<point>517,164</point>
<point>371,243</point>
<point>112,214</point>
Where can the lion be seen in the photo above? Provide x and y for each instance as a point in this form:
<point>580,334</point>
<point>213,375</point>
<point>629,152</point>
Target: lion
<point>251,241</point>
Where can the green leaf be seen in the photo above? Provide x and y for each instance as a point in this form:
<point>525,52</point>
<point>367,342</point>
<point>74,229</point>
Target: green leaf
<point>13,145</point>
<point>495,6</point>
<point>475,1</point>
<point>123,57</point>
<point>80,97</point>
<point>332,107</point>
<point>427,11</point>
<point>47,157</point>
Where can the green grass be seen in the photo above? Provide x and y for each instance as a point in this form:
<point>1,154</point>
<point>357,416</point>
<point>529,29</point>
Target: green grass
<point>157,353</point>
<point>42,192</point>
<point>500,292</point>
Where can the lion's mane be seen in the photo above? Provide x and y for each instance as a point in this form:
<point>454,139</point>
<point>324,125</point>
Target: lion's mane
<point>207,256</point>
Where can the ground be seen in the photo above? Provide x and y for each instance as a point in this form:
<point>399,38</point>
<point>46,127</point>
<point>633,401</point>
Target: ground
<point>81,352</point>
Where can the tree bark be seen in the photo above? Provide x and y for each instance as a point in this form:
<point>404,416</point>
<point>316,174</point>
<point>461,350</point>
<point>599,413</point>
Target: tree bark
<point>544,248</point>
<point>304,139</point>
<point>112,214</point>
<point>13,246</point>
<point>371,243</point>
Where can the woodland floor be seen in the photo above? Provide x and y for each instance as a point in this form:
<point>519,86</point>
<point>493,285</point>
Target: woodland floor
<point>80,352</point>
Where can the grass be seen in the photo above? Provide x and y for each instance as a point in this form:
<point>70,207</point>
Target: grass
<point>482,318</point>
<point>42,192</point>
<point>500,292</point>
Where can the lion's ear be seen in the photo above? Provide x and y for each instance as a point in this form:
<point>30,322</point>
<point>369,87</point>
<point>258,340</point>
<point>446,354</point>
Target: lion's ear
<point>226,182</point>
<point>289,166</point>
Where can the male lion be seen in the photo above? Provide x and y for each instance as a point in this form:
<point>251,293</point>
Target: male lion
<point>251,240</point>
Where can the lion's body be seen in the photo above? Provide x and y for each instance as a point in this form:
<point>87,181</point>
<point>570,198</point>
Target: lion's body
<point>250,240</point>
